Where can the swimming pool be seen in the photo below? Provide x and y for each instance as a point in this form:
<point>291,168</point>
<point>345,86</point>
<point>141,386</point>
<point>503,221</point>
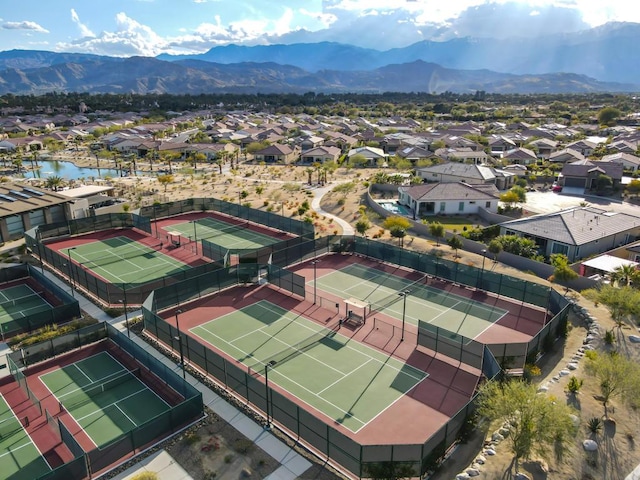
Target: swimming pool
<point>395,208</point>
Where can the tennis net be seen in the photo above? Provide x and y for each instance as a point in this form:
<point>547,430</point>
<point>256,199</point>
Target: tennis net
<point>292,351</point>
<point>20,301</point>
<point>85,393</point>
<point>9,426</point>
<point>389,300</point>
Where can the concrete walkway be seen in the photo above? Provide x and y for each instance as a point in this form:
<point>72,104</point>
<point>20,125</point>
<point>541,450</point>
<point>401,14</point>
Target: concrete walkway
<point>292,464</point>
<point>318,193</point>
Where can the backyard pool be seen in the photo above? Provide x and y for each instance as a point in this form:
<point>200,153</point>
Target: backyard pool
<point>395,208</point>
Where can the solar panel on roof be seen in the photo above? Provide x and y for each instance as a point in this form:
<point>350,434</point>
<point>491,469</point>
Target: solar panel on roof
<point>19,194</point>
<point>7,197</point>
<point>35,192</point>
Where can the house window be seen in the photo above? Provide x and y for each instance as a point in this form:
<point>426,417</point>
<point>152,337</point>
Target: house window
<point>461,207</point>
<point>434,174</point>
<point>443,206</point>
<point>560,248</point>
<point>487,205</point>
<point>472,203</point>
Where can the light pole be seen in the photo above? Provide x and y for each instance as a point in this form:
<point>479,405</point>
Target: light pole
<point>404,310</point>
<point>73,281</point>
<point>314,263</point>
<point>195,235</point>
<point>268,365</point>
<point>179,338</point>
<point>126,314</point>
<point>484,257</point>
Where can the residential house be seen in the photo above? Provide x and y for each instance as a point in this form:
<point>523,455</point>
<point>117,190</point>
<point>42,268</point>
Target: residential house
<point>310,142</point>
<point>628,161</point>
<point>24,144</point>
<point>545,147</point>
<point>320,155</point>
<point>373,155</point>
<point>499,144</point>
<point>576,232</point>
<point>448,199</point>
<point>584,147</point>
<point>465,155</point>
<point>584,174</point>
<point>566,156</point>
<point>624,146</point>
<point>472,174</point>
<point>277,153</point>
<point>520,156</point>
<point>413,154</point>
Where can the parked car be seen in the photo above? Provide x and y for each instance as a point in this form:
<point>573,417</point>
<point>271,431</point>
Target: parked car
<point>556,188</point>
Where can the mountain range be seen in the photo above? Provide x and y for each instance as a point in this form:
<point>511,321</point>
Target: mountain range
<point>603,59</point>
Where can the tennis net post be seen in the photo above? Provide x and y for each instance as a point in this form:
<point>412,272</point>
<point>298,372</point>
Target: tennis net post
<point>395,296</point>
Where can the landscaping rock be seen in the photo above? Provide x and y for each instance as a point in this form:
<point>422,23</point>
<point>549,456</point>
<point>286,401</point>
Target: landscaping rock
<point>590,445</point>
<point>481,460</point>
<point>504,431</point>
<point>490,451</point>
<point>472,472</point>
<point>462,476</point>
<point>564,373</point>
<point>572,366</point>
<point>521,476</point>
<point>634,338</point>
<point>246,472</point>
<point>496,437</point>
<point>575,419</point>
<point>543,389</point>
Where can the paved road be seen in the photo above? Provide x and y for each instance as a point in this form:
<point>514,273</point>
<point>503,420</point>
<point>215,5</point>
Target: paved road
<point>547,202</point>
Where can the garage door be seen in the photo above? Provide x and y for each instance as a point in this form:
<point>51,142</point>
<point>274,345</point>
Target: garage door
<point>575,182</point>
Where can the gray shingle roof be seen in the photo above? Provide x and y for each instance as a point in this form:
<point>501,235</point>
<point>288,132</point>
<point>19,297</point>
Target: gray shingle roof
<point>451,191</point>
<point>574,226</point>
<point>462,170</point>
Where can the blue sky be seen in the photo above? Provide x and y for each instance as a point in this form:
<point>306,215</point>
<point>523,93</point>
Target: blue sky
<point>151,27</point>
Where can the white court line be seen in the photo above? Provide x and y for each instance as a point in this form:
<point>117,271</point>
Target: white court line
<point>127,416</point>
<point>340,379</point>
<point>25,432</point>
<point>82,372</point>
<point>114,404</point>
<point>139,381</point>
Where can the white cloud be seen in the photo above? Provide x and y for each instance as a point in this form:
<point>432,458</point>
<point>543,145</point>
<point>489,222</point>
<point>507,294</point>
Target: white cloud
<point>325,18</point>
<point>24,25</point>
<point>84,30</point>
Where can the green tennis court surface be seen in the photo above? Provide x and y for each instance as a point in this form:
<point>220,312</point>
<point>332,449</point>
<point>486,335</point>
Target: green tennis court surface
<point>19,457</point>
<point>347,381</point>
<point>20,301</point>
<point>103,397</point>
<point>222,233</point>
<point>122,260</point>
<point>381,290</point>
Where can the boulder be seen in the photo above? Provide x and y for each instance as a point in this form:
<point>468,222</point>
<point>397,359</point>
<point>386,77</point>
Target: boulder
<point>462,476</point>
<point>481,460</point>
<point>496,437</point>
<point>564,373</point>
<point>572,366</point>
<point>543,389</point>
<point>472,472</point>
<point>590,445</point>
<point>504,431</point>
<point>634,338</point>
<point>490,451</point>
<point>246,472</point>
<point>575,419</point>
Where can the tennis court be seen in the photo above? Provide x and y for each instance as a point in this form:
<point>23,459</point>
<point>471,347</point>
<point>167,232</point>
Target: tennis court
<point>122,260</point>
<point>106,399</point>
<point>20,301</point>
<point>346,380</point>
<point>226,235</point>
<point>398,297</point>
<point>18,453</point>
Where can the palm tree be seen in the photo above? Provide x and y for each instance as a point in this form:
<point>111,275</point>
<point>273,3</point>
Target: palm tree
<point>54,182</point>
<point>625,275</point>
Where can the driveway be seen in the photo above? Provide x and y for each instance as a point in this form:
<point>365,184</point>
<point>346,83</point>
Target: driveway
<point>548,202</point>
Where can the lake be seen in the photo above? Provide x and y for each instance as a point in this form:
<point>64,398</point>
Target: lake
<point>69,171</point>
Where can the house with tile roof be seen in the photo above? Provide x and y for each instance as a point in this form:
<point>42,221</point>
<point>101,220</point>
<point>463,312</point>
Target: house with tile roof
<point>277,153</point>
<point>628,161</point>
<point>584,174</point>
<point>320,155</point>
<point>453,172</point>
<point>448,199</point>
<point>577,232</point>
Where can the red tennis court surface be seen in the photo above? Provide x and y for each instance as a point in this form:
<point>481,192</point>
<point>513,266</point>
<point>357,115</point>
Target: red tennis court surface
<point>519,325</point>
<point>411,419</point>
<point>44,436</point>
